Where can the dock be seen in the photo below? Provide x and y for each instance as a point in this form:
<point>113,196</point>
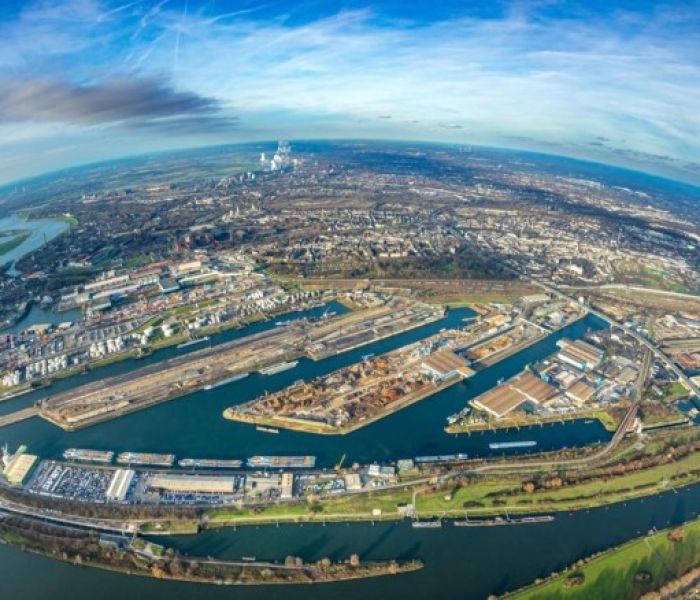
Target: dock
<point>19,415</point>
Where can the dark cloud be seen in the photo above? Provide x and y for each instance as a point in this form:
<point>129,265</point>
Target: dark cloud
<point>120,101</point>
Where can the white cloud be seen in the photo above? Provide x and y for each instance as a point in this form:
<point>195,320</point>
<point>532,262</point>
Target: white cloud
<point>633,79</point>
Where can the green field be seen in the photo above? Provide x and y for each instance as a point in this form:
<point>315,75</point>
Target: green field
<point>625,572</point>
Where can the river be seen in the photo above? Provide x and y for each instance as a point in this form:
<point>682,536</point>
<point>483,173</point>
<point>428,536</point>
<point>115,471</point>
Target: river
<point>42,231</point>
<point>460,563</point>
<point>473,561</point>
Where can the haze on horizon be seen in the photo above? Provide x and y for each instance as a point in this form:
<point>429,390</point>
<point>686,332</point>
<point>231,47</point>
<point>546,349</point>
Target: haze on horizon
<point>87,80</point>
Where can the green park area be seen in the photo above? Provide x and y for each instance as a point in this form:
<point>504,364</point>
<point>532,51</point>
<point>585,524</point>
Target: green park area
<point>628,571</point>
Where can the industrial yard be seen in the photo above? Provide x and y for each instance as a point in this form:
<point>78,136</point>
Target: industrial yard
<point>596,377</point>
<point>157,383</point>
<point>356,395</point>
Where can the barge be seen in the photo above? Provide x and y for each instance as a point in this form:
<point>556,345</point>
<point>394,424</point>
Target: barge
<point>209,463</point>
<point>267,429</point>
<point>507,445</point>
<point>226,381</point>
<point>498,521</point>
<point>441,458</point>
<point>83,455</point>
<point>146,458</point>
<point>427,524</point>
<point>294,462</point>
<point>278,368</point>
<point>193,342</point>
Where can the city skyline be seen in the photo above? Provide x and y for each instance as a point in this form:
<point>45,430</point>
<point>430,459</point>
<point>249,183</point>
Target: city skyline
<point>87,80</point>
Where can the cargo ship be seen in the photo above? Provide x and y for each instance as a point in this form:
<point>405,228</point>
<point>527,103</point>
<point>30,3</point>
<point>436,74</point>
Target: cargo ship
<point>506,445</point>
<point>96,456</point>
<point>278,368</point>
<point>238,377</point>
<point>441,458</point>
<point>267,429</point>
<point>277,462</point>
<point>146,458</point>
<point>209,463</point>
<point>194,341</point>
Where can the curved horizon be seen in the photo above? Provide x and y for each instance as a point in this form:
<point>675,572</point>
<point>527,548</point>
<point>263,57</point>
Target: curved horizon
<point>86,80</point>
<point>5,186</point>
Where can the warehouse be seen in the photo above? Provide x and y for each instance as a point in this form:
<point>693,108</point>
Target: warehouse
<point>119,485</point>
<point>579,354</point>
<point>19,467</point>
<point>192,484</point>
<point>500,401</point>
<point>445,364</point>
<point>581,392</point>
<point>533,388</point>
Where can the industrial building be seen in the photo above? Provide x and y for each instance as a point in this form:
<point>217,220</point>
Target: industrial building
<point>119,485</point>
<point>533,388</point>
<point>287,485</point>
<point>506,398</point>
<point>19,467</point>
<point>579,354</point>
<point>499,401</point>
<point>192,484</point>
<point>445,364</point>
<point>581,392</point>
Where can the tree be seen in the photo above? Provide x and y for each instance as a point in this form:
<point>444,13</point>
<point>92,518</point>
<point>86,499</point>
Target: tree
<point>528,487</point>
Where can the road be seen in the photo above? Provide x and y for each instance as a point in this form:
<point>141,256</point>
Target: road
<point>121,527</point>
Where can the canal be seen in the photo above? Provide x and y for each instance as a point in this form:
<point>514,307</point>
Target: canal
<point>193,426</point>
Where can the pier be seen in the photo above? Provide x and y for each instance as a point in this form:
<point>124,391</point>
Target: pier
<point>19,415</point>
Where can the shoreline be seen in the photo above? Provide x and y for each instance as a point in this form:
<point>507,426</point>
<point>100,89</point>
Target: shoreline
<point>157,562</point>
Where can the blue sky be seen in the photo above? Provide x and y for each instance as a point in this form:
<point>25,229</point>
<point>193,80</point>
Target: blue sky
<point>86,80</point>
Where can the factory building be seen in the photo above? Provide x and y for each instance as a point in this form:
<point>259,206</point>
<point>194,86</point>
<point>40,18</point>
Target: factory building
<point>119,485</point>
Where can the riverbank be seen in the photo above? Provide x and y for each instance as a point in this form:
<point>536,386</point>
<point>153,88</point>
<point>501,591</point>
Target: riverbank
<point>638,567</point>
<point>608,421</point>
<point>458,494</point>
<point>133,556</point>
